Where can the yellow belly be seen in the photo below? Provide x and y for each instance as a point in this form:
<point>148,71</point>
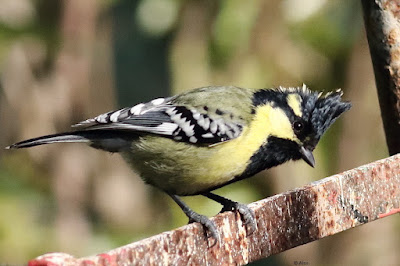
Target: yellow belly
<point>191,169</point>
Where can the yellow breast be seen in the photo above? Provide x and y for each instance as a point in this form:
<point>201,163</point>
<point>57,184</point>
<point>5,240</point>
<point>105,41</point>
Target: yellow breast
<point>186,169</point>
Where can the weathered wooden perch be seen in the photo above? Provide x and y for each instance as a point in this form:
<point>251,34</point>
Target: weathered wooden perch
<point>286,220</point>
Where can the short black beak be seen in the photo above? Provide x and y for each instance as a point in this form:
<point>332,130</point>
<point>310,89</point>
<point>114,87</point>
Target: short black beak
<point>307,156</point>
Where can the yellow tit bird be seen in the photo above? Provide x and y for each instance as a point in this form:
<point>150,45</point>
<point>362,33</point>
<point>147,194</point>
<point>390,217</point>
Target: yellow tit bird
<point>206,138</point>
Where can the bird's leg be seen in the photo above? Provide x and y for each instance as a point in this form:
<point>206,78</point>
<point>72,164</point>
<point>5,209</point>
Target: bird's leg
<point>246,213</point>
<point>195,217</point>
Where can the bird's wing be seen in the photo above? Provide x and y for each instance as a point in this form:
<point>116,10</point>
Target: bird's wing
<point>162,117</point>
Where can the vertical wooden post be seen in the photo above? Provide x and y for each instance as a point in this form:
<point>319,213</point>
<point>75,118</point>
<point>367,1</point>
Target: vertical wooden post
<point>382,24</point>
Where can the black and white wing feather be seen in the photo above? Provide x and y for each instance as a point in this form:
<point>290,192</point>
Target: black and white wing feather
<point>145,117</point>
<point>162,117</point>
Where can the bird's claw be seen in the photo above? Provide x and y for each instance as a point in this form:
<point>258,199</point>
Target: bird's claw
<point>245,212</point>
<point>209,226</point>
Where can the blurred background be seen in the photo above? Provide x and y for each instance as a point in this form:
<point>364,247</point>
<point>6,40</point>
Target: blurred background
<point>65,61</point>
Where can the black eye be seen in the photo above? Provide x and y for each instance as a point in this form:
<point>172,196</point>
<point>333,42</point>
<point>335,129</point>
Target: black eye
<point>298,126</point>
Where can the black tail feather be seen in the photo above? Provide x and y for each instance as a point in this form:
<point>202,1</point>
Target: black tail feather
<point>108,140</point>
<point>62,137</point>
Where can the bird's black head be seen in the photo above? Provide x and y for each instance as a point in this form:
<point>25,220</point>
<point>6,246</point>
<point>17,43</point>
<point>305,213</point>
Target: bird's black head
<point>303,117</point>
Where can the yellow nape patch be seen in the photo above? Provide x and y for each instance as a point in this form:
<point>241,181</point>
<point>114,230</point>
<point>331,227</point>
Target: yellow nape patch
<point>294,101</point>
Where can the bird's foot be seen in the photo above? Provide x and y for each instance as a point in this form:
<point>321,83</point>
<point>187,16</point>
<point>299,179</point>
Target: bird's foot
<point>245,212</point>
<point>209,226</point>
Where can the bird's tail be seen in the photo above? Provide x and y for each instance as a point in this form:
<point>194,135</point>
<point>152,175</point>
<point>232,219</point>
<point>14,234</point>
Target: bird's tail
<point>62,137</point>
<point>108,140</point>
